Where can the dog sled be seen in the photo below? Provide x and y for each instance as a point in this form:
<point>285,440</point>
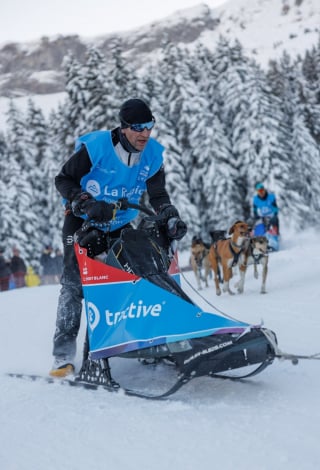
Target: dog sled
<point>264,227</point>
<point>136,309</point>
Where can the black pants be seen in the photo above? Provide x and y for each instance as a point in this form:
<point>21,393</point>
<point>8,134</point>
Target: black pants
<point>70,299</point>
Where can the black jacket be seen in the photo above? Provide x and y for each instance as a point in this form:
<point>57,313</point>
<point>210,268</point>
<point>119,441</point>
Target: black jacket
<point>17,265</point>
<point>4,268</point>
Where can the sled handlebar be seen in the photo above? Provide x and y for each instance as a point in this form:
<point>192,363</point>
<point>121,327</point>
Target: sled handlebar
<point>124,204</point>
<point>168,230</point>
<point>121,204</point>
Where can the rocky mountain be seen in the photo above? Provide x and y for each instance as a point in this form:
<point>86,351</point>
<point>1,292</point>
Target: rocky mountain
<point>264,27</point>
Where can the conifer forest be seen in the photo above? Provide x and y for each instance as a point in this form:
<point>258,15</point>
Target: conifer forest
<point>225,122</point>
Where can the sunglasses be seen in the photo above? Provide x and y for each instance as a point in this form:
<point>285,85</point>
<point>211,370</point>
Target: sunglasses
<point>141,127</point>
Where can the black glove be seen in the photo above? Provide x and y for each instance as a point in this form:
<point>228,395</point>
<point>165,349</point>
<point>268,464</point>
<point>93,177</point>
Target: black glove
<point>99,211</point>
<point>123,203</point>
<point>79,202</point>
<point>167,211</point>
<point>94,240</point>
<point>176,228</point>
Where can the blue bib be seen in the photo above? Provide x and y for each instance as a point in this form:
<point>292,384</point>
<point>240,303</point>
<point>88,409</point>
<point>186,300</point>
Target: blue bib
<point>265,207</point>
<point>110,179</point>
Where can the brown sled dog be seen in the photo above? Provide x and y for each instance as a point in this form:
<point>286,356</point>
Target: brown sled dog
<point>229,253</point>
<point>199,261</point>
<point>255,253</point>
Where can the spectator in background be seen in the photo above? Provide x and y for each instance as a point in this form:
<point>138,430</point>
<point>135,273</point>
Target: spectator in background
<point>5,272</point>
<point>31,278</point>
<point>48,266</point>
<point>18,269</point>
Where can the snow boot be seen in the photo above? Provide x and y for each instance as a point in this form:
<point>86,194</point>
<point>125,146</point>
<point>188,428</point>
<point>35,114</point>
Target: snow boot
<point>61,368</point>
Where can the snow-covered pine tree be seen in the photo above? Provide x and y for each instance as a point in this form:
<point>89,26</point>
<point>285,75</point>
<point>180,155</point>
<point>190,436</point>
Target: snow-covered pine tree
<point>22,224</point>
<point>122,82</point>
<point>75,105</point>
<point>284,169</point>
<point>311,90</point>
<point>231,69</point>
<point>256,138</point>
<point>306,155</point>
<point>166,105</point>
<point>41,176</point>
<point>212,178</point>
<point>215,167</point>
<point>7,208</point>
<point>18,217</point>
<point>98,110</point>
<point>3,157</point>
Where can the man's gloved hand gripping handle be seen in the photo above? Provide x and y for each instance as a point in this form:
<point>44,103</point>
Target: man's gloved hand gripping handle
<point>99,211</point>
<point>176,228</point>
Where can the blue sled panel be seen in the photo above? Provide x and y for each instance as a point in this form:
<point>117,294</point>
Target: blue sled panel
<point>125,312</point>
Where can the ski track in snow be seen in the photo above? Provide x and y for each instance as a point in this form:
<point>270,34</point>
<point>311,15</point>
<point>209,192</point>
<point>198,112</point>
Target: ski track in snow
<point>270,421</point>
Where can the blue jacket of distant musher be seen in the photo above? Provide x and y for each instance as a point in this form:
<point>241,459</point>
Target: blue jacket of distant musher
<point>266,206</point>
<point>110,179</point>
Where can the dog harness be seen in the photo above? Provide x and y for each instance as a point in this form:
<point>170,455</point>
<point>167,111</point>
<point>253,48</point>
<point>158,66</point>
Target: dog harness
<point>200,258</point>
<point>235,254</point>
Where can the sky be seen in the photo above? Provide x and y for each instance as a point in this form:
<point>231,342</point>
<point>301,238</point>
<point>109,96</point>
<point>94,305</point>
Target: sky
<point>270,421</point>
<point>37,18</point>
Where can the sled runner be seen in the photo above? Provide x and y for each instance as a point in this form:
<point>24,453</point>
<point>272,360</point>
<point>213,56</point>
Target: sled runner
<point>136,309</point>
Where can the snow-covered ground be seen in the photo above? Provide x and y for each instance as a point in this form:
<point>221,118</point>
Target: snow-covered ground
<point>267,28</point>
<point>270,421</point>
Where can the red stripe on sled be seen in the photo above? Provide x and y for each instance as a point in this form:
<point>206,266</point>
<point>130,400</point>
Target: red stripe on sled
<point>96,272</point>
<point>174,266</point>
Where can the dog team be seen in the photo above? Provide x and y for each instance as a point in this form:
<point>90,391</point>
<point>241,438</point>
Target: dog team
<point>238,250</point>
<point>224,254</point>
